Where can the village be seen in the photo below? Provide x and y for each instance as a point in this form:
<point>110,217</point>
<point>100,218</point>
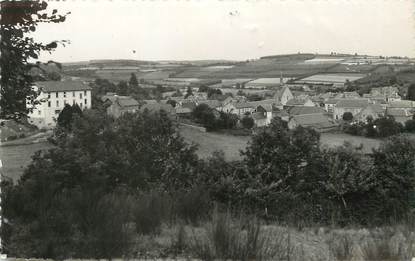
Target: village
<point>207,130</point>
<point>296,102</point>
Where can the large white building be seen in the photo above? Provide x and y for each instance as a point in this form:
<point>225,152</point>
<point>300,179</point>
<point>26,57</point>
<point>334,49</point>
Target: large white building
<point>53,97</point>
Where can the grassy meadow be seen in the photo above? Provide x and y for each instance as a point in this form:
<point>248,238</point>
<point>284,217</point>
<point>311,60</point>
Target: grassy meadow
<point>16,158</point>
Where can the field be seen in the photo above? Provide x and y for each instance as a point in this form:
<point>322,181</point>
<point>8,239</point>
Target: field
<point>16,158</point>
<point>232,145</point>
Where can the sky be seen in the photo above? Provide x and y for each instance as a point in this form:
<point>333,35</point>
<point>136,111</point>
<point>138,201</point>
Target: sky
<point>228,29</point>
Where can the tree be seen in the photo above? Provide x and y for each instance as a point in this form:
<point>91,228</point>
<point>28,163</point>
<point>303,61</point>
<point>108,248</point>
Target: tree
<point>204,114</point>
<point>411,92</point>
<point>77,199</point>
<point>247,122</point>
<point>178,93</point>
<point>394,164</point>
<point>122,88</point>
<point>347,116</point>
<point>67,116</point>
<point>173,103</point>
<point>410,126</point>
<point>212,92</point>
<point>226,120</point>
<point>133,82</point>
<point>203,88</point>
<point>189,92</point>
<point>278,160</point>
<point>387,126</point>
<point>18,49</point>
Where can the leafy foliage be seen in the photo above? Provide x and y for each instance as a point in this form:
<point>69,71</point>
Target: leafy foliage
<point>18,49</point>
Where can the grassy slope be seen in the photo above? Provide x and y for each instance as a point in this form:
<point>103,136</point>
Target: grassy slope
<point>231,145</point>
<point>16,158</point>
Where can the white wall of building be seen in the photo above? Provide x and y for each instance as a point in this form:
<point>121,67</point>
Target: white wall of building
<point>45,114</point>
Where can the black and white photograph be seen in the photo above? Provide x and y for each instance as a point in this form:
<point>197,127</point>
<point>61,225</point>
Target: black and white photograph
<point>207,130</point>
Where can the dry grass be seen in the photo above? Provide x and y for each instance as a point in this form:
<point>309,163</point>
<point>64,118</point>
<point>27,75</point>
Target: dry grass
<point>225,238</point>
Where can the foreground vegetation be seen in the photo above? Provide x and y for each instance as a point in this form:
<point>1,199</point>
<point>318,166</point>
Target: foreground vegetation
<point>111,185</point>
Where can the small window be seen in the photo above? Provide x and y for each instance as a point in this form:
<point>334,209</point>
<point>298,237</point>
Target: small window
<point>57,95</point>
<point>39,112</point>
<point>80,104</point>
<point>48,95</point>
<point>73,94</point>
<point>57,103</point>
<point>73,102</point>
<point>85,93</point>
<point>80,95</point>
<point>48,103</point>
<point>64,94</point>
<point>86,101</point>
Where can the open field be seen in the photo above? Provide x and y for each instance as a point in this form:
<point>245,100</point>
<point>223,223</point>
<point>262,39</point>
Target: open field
<point>16,158</point>
<point>210,142</point>
<point>232,145</point>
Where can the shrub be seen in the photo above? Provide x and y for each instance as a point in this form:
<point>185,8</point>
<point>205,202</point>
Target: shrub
<point>151,210</point>
<point>347,116</point>
<point>410,126</point>
<point>226,239</point>
<point>247,122</point>
<point>12,137</point>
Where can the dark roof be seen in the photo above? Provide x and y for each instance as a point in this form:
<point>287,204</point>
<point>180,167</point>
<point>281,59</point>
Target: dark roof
<point>300,110</point>
<point>397,112</point>
<point>402,104</point>
<point>258,116</point>
<point>352,103</point>
<point>126,101</point>
<point>62,86</point>
<point>156,107</point>
<point>264,102</point>
<point>266,107</point>
<point>241,105</point>
<point>212,103</point>
<point>313,120</point>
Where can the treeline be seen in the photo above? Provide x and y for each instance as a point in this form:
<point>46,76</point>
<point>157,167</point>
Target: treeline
<point>381,127</point>
<point>110,179</point>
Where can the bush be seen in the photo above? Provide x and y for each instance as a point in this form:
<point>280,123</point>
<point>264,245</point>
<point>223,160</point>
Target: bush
<point>247,122</point>
<point>347,116</point>
<point>12,137</point>
<point>410,126</point>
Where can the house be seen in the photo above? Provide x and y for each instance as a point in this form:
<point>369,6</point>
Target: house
<point>317,121</point>
<point>330,104</point>
<point>118,105</point>
<point>301,110</point>
<point>281,114</point>
<point>373,111</point>
<point>157,107</point>
<point>390,93</point>
<point>283,95</point>
<point>299,102</point>
<point>214,104</point>
<point>399,114</point>
<point>347,95</point>
<point>271,102</point>
<point>186,109</point>
<point>260,120</point>
<point>353,106</point>
<point>242,108</point>
<point>53,97</point>
<point>266,111</point>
